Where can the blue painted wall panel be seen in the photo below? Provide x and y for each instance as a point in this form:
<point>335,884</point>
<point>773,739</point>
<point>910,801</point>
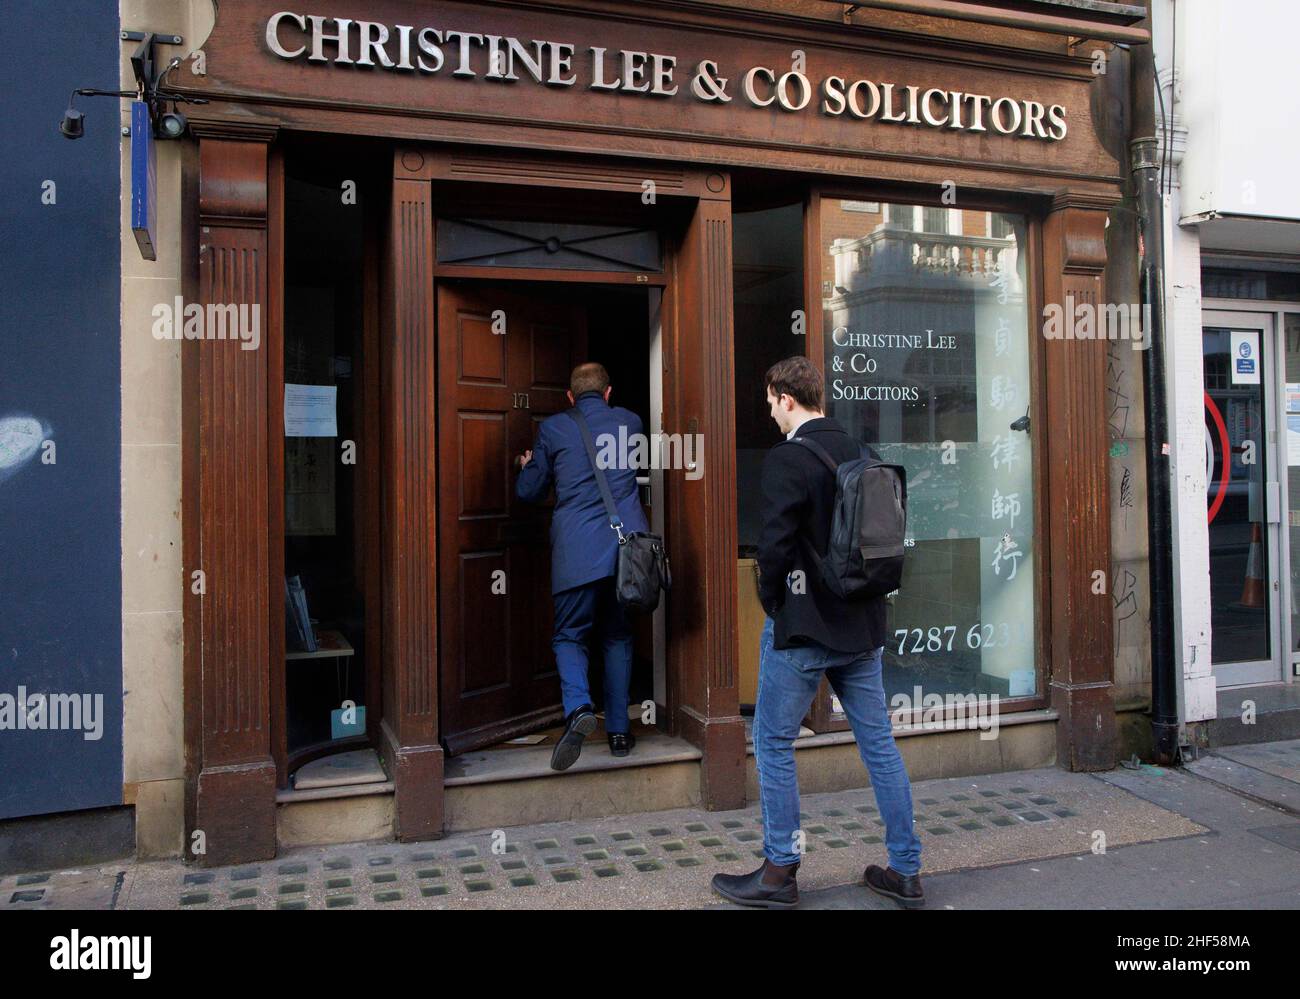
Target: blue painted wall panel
<point>60,531</point>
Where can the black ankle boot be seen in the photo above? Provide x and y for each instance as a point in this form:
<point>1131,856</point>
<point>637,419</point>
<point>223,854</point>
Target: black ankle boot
<point>769,887</point>
<point>902,888</point>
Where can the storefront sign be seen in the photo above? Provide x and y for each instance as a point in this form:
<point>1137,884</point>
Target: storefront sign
<point>852,362</point>
<point>468,55</point>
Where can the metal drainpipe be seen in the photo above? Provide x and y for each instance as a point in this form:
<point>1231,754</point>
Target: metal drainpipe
<point>1144,165</point>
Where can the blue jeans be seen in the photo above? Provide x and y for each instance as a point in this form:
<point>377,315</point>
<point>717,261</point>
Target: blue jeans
<point>580,612</point>
<point>787,683</point>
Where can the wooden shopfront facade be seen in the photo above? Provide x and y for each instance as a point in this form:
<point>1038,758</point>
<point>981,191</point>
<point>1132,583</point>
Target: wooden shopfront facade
<point>572,166</point>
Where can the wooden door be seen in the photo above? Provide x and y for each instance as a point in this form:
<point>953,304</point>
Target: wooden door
<point>496,383</point>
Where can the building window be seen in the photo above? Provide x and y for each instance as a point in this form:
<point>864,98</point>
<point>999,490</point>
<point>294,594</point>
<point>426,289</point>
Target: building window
<point>902,216</point>
<point>1230,282</point>
<point>934,220</point>
<point>926,340</point>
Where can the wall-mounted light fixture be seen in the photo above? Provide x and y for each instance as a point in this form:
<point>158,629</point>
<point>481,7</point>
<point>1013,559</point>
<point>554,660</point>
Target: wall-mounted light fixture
<point>153,116</point>
<point>164,124</point>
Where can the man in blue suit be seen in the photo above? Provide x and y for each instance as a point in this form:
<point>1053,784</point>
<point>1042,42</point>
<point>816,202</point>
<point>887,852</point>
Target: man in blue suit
<point>584,550</point>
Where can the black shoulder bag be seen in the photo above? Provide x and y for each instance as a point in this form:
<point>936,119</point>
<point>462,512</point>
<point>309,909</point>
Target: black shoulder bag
<point>642,568</point>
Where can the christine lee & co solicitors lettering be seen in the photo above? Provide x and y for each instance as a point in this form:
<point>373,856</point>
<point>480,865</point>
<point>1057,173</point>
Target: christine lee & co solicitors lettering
<point>468,55</point>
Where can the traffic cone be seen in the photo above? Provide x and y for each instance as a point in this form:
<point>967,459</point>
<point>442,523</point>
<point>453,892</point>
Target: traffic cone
<point>1252,589</point>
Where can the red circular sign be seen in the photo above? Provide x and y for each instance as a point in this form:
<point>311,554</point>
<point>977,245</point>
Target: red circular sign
<point>1225,461</point>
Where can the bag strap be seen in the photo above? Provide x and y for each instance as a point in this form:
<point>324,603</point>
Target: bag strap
<point>834,467</point>
<point>611,511</point>
<point>819,451</point>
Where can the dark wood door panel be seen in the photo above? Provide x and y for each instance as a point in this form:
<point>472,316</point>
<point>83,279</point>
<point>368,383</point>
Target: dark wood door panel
<point>498,673</point>
<point>484,661</point>
<point>483,465</point>
<point>480,353</point>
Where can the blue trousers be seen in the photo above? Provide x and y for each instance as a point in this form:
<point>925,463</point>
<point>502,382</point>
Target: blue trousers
<point>584,613</point>
<point>787,683</point>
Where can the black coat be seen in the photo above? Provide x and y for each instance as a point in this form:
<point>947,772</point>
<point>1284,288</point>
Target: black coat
<point>798,504</point>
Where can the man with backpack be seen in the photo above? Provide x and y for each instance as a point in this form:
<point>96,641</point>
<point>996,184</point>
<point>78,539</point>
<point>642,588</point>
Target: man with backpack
<point>830,549</point>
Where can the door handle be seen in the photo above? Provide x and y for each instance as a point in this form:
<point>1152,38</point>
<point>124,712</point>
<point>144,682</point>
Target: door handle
<point>1273,502</point>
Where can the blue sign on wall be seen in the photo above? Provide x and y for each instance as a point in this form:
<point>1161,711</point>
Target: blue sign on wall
<point>144,181</point>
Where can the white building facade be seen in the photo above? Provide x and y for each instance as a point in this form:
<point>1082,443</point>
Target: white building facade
<point>1227,111</point>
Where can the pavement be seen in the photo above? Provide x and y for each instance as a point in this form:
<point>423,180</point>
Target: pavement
<point>1222,832</point>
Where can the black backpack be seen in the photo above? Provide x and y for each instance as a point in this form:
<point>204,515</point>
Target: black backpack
<point>864,557</point>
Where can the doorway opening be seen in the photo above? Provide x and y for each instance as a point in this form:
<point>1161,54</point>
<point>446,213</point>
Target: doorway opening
<point>1243,496</point>
<point>500,709</point>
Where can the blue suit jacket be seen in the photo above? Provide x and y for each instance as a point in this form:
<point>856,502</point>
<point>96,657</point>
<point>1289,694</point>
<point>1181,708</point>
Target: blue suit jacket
<point>583,545</point>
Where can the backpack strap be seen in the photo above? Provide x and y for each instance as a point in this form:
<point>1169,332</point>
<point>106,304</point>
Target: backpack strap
<point>819,451</point>
<point>834,467</point>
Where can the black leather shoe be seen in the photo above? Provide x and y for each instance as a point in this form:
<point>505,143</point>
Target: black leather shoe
<point>902,888</point>
<point>577,727</point>
<point>769,887</point>
<point>621,743</point>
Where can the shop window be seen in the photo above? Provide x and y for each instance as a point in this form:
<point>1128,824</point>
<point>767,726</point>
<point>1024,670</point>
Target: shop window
<point>553,245</point>
<point>325,530</point>
<point>1291,347</point>
<point>767,261</point>
<point>926,341</point>
<point>770,324</point>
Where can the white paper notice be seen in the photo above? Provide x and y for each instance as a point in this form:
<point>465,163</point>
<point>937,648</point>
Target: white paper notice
<point>1245,357</point>
<point>311,410</point>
